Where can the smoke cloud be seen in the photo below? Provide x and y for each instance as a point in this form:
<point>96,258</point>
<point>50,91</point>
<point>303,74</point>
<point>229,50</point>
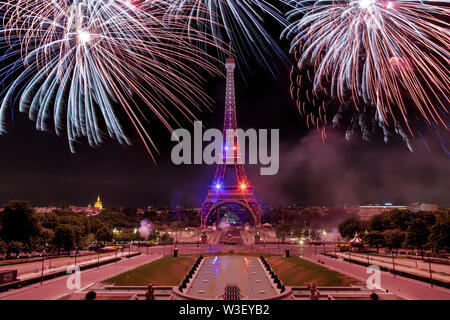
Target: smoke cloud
<point>145,229</point>
<point>337,172</point>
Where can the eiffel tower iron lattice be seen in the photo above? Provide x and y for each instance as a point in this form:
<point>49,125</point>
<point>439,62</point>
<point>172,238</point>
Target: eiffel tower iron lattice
<point>230,183</point>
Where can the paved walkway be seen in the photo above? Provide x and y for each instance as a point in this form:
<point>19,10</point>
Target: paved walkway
<point>403,287</point>
<point>57,288</point>
<point>31,270</point>
<point>439,271</point>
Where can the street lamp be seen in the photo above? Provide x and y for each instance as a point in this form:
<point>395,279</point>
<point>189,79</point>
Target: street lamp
<point>43,259</point>
<point>349,254</point>
<point>429,267</point>
<point>393,262</point>
<point>76,253</point>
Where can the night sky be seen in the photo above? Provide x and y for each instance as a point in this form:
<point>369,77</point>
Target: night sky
<point>39,166</point>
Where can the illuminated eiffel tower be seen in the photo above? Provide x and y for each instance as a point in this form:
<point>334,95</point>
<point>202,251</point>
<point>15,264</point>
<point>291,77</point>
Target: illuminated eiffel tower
<point>230,183</point>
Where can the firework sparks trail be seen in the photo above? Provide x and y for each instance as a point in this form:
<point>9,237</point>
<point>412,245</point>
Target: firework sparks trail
<point>320,110</point>
<point>240,22</point>
<point>391,57</point>
<point>76,61</point>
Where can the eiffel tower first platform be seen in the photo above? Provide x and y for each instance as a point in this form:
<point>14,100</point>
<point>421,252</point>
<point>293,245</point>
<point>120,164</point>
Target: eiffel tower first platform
<point>230,183</point>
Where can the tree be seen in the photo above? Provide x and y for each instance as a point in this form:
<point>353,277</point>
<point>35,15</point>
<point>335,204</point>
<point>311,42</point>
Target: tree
<point>79,222</point>
<point>394,238</point>
<point>166,239</point>
<point>175,225</point>
<point>64,237</point>
<point>300,233</point>
<point>151,215</point>
<point>131,216</point>
<point>399,219</point>
<point>154,236</point>
<point>3,247</point>
<point>49,220</point>
<point>374,238</point>
<point>130,211</point>
<point>19,222</point>
<point>90,238</point>
<point>349,227</point>
<point>47,235</point>
<point>379,222</point>
<point>417,232</point>
<point>115,219</point>
<point>282,231</point>
<point>15,247</point>
<point>440,232</point>
<point>314,234</point>
<point>103,233</point>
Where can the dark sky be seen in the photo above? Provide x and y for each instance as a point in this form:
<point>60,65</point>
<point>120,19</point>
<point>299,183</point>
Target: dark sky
<point>39,167</point>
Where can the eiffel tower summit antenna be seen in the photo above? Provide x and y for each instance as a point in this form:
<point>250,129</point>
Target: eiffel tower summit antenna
<point>230,183</point>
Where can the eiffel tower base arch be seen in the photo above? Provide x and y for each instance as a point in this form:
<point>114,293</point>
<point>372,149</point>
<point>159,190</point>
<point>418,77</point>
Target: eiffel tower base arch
<point>216,198</point>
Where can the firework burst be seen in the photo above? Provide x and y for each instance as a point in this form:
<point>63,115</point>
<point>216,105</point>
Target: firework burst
<point>391,57</point>
<point>240,22</point>
<point>77,62</point>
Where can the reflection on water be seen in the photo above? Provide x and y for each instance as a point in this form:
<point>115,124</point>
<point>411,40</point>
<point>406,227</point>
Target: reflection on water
<point>217,271</point>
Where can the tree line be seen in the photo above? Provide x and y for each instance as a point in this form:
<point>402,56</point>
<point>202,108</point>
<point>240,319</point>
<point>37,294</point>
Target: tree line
<point>22,229</point>
<point>402,229</point>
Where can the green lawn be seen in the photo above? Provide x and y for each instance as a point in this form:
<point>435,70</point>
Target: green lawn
<point>168,271</point>
<point>295,271</point>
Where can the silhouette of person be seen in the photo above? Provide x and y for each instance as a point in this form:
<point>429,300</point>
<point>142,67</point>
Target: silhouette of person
<point>150,293</point>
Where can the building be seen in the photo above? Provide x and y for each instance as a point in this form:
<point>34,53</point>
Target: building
<point>89,210</point>
<point>98,204</point>
<point>45,209</point>
<point>368,211</point>
<point>416,207</point>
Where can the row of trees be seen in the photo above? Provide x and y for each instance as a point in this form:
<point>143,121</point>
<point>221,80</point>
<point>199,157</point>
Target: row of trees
<point>24,230</point>
<point>178,218</point>
<point>284,230</point>
<point>402,229</point>
<point>300,218</point>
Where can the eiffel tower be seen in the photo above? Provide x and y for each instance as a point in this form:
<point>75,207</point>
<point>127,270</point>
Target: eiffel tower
<point>230,183</point>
